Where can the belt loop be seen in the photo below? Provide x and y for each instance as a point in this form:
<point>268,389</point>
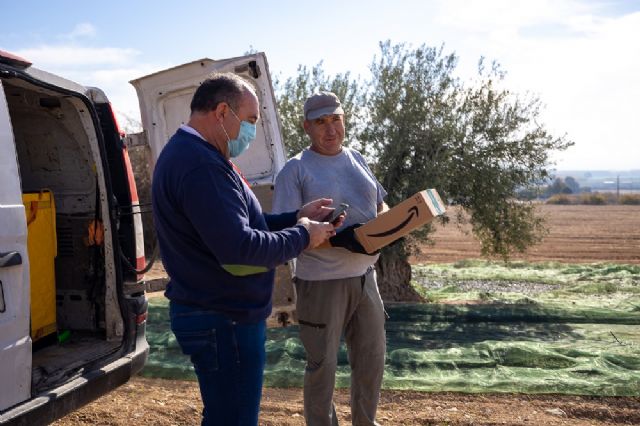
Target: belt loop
<point>363,277</point>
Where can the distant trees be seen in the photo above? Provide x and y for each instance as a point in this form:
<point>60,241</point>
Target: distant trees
<point>568,185</point>
<point>422,127</point>
<point>557,187</point>
<point>572,184</point>
<point>594,198</point>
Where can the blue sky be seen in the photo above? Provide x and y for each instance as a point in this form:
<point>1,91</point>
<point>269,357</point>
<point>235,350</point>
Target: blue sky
<point>581,57</point>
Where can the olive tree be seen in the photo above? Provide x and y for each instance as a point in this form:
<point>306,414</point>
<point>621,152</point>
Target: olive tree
<point>422,127</point>
<point>477,144</point>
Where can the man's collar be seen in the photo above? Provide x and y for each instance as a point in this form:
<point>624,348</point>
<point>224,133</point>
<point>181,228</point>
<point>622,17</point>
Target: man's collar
<point>191,130</point>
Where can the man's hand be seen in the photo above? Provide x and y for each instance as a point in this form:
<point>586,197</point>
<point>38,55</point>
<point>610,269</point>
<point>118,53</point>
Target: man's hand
<point>339,221</point>
<point>316,210</point>
<point>319,232</point>
<point>347,239</point>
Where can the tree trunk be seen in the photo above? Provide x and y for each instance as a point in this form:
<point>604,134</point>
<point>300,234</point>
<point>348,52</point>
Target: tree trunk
<point>394,278</point>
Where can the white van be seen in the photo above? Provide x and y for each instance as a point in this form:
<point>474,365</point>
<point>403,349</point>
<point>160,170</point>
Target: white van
<point>72,305</point>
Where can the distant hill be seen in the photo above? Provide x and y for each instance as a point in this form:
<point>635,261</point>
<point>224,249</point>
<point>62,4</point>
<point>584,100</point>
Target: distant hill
<point>604,180</point>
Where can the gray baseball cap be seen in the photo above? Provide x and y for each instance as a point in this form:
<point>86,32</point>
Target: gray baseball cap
<point>322,103</point>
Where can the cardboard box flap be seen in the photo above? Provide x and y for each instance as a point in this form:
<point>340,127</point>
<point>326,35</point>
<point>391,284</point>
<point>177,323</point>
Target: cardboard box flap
<point>399,221</point>
<point>435,203</point>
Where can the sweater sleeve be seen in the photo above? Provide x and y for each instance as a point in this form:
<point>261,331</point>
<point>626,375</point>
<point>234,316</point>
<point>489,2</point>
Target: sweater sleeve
<point>215,204</point>
<point>277,222</point>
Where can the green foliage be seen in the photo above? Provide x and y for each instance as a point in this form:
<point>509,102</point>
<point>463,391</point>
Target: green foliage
<point>595,288</point>
<point>559,199</point>
<point>630,199</point>
<point>600,278</point>
<point>252,50</point>
<point>292,93</point>
<point>477,145</point>
<point>467,263</point>
<point>595,199</point>
<point>528,194</point>
<point>557,187</point>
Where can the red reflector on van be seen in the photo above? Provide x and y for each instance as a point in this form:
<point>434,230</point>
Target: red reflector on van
<point>141,318</point>
<point>115,121</point>
<point>13,60</point>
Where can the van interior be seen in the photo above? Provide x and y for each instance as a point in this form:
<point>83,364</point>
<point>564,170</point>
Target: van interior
<point>59,154</point>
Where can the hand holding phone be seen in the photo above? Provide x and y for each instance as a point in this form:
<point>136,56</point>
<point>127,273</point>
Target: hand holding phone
<point>335,215</point>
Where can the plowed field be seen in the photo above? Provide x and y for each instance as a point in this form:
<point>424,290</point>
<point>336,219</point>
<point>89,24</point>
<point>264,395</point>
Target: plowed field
<point>577,234</point>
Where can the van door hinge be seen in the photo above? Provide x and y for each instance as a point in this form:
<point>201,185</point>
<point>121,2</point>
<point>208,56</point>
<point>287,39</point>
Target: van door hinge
<point>136,139</point>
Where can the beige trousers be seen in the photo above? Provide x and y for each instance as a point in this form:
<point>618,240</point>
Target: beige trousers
<point>327,310</point>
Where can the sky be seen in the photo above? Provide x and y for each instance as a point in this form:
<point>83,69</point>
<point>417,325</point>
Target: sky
<point>581,57</point>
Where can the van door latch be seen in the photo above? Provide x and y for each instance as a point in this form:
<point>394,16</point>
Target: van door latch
<point>11,258</point>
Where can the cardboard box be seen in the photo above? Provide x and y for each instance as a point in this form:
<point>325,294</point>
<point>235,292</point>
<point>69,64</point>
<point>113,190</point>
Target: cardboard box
<point>399,221</point>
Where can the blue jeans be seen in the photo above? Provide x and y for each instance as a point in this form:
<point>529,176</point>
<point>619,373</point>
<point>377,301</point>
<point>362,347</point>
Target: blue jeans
<point>228,359</point>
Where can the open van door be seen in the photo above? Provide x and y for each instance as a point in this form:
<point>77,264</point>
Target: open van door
<point>72,314</point>
<point>165,99</point>
<point>15,342</point>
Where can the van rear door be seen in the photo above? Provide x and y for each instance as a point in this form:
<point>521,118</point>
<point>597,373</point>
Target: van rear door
<point>15,342</point>
<point>165,99</point>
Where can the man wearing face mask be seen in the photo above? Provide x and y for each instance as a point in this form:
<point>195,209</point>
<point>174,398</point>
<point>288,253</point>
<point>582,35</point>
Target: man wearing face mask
<point>220,250</point>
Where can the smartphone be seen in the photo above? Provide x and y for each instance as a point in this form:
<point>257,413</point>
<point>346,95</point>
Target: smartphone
<point>333,217</point>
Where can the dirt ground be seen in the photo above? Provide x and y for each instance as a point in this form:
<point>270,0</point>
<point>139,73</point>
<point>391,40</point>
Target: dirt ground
<point>169,402</point>
<point>577,234</point>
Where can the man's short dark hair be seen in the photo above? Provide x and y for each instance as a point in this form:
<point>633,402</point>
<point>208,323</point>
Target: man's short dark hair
<point>220,87</point>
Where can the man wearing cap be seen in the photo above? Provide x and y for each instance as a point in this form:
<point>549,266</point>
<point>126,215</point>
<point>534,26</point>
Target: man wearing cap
<point>336,286</point>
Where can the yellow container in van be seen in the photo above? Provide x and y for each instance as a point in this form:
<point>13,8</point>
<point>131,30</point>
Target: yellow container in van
<point>42,246</point>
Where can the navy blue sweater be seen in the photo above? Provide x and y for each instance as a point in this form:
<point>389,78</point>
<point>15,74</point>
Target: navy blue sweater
<point>217,246</point>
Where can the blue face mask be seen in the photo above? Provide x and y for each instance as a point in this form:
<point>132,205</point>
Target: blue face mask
<point>246,135</point>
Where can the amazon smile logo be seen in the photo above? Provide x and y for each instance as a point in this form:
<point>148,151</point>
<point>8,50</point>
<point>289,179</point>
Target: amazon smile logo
<point>413,211</point>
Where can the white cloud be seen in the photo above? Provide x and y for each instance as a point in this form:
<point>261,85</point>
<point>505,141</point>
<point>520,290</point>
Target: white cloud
<point>583,65</point>
<point>109,68</point>
<point>496,18</point>
<point>115,84</point>
<point>61,56</point>
<point>590,87</point>
<point>82,30</point>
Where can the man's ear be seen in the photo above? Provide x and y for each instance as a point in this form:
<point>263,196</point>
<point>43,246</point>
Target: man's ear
<point>305,126</point>
<point>220,111</point>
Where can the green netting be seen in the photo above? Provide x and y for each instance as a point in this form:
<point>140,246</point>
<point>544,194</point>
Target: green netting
<point>563,338</point>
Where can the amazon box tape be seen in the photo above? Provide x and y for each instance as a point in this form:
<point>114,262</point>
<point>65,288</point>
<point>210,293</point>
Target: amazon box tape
<point>397,222</point>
